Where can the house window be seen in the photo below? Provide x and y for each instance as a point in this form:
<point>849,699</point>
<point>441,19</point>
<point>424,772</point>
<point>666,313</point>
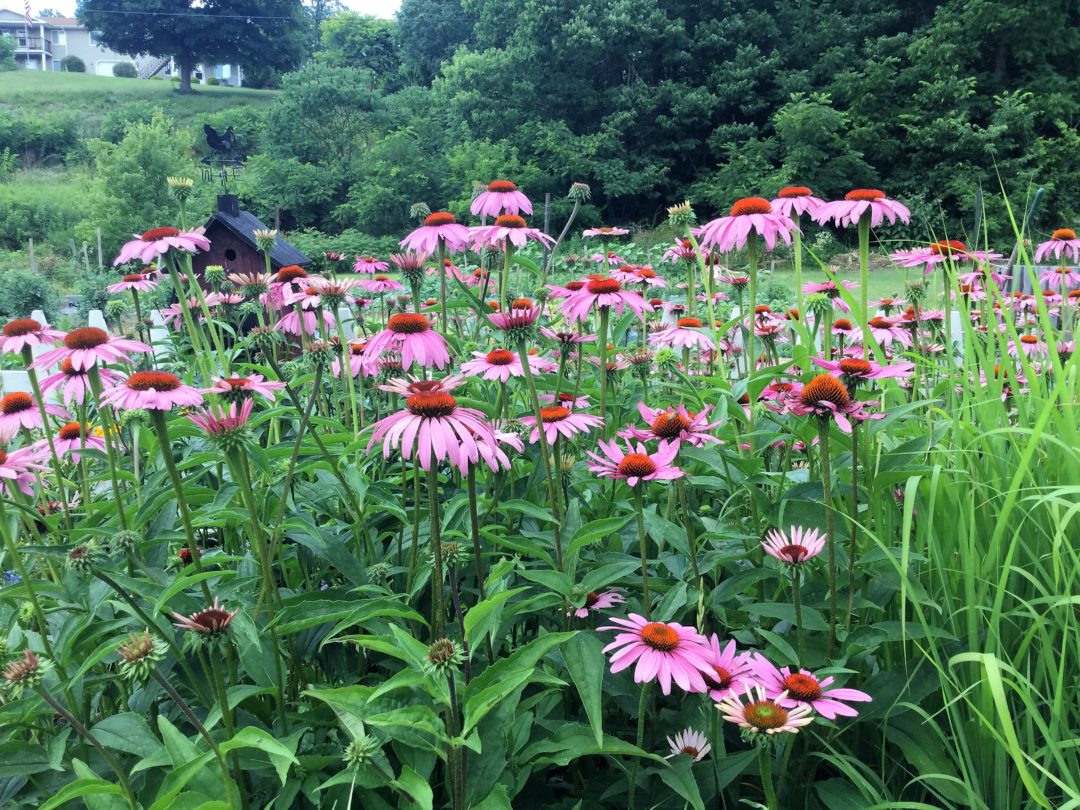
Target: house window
<point>95,38</point>
<point>56,37</point>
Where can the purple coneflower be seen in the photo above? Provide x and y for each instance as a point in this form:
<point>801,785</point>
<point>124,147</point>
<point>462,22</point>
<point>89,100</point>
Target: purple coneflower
<point>730,671</point>
<point>237,389</point>
<point>90,346</point>
<point>848,211</point>
<point>826,398</point>
<point>134,281</point>
<point>690,742</point>
<point>1029,346</point>
<point>74,437</point>
<point>794,201</point>
<point>498,364</point>
<point>804,690</point>
<point>794,547</point>
<point>603,292</point>
<point>18,411</point>
<point>441,226</point>
<point>597,601</point>
<point>558,420</point>
<point>501,197</point>
<point>159,241</point>
<point>1063,241</point>
<point>673,424</point>
<point>411,336</point>
<point>75,384</point>
<point>636,464</point>
<point>152,391</point>
<point>211,621</point>
<point>748,215</point>
<point>23,332</point>
<point>604,233</point>
<point>663,651</point>
<point>369,264</point>
<point>508,229</point>
<point>756,713</point>
<point>20,468</point>
<point>683,334</point>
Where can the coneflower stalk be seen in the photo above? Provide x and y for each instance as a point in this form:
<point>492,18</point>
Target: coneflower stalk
<point>28,358</point>
<point>826,485</point>
<point>107,424</point>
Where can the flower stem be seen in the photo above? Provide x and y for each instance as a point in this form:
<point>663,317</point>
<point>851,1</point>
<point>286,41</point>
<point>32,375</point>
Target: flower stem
<point>643,705</point>
<point>826,485</point>
<point>643,549</point>
<point>105,413</point>
<point>438,620</point>
<point>28,358</point>
<point>796,598</point>
<point>86,734</point>
<point>852,544</point>
<point>161,428</point>
<point>604,315</point>
<point>553,493</point>
<point>24,575</point>
<point>182,705</point>
<point>864,275</point>
<point>765,766</point>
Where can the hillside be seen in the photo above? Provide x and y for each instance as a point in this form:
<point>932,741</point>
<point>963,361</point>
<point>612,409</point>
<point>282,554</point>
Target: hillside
<point>29,91</point>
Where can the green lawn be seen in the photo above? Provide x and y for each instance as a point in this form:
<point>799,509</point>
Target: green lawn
<point>34,91</point>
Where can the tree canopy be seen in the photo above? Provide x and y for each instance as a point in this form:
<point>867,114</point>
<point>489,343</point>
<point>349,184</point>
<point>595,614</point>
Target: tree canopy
<point>267,33</point>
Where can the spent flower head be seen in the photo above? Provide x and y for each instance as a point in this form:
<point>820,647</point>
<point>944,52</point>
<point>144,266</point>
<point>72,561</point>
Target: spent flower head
<point>180,187</point>
<point>139,655</point>
<point>579,192</point>
<point>25,673</point>
<point>361,751</point>
<point>265,238</point>
<point>443,656</point>
<point>82,559</point>
<point>681,215</point>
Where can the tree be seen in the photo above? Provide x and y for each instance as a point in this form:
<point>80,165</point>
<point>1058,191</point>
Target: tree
<point>272,33</point>
<point>360,41</point>
<point>429,31</point>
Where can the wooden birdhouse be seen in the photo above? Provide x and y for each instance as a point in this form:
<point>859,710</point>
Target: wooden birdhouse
<point>231,232</point>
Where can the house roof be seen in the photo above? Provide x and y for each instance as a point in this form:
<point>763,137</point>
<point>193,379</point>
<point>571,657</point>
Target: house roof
<point>62,22</point>
<point>243,225</point>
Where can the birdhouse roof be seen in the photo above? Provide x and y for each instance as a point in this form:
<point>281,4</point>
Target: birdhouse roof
<point>243,225</point>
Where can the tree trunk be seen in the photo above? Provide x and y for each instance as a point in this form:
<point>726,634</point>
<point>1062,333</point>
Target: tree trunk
<point>187,63</point>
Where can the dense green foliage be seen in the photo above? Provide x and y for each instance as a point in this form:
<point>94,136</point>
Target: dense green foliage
<point>125,70</point>
<point>72,64</point>
<point>7,53</point>
<point>23,291</point>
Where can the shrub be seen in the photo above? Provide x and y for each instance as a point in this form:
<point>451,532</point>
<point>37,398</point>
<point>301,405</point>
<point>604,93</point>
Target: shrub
<point>38,212</point>
<point>7,53</point>
<point>116,121</point>
<point>125,70</point>
<point>23,291</point>
<point>39,138</point>
<point>72,64</point>
<point>213,81</point>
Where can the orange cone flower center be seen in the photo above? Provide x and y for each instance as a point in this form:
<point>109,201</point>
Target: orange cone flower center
<point>431,404</point>
<point>16,403</point>
<point>659,636</point>
<point>689,323</point>
<point>854,367</point>
<point>440,218</point>
<point>22,326</point>
<point>879,323</point>
<point>89,337</point>
<point>1031,340</point>
<point>72,430</point>
<point>290,273</point>
<point>794,191</point>
<point>408,323</point>
<point>554,413</point>
<point>947,247</point>
<point>824,388</point>
<point>1063,234</point>
<point>636,465</point>
<point>801,686</point>
<point>500,357</point>
<point>501,185</point>
<point>669,425</point>
<point>157,380</point>
<point>750,205</point>
<point>155,234</point>
<point>509,221</point>
<point>600,286</point>
<point>864,195</point>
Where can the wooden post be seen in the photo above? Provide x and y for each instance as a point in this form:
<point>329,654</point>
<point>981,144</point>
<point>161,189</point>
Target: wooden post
<point>33,258</point>
<point>100,265</point>
<point>74,250</point>
<point>277,219</point>
<point>86,255</point>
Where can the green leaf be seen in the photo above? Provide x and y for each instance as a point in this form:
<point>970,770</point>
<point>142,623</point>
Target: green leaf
<point>487,699</point>
<point>575,740</point>
<point>129,733</point>
<point>602,576</point>
<point>812,619</point>
<point>585,663</point>
<point>251,737</point>
<point>680,778</point>
<point>416,786</point>
<point>555,581</point>
<point>97,801</point>
<point>485,616</point>
<point>90,786</point>
<point>596,530</point>
<point>331,549</point>
<point>496,800</point>
<point>18,758</point>
<point>256,655</point>
<point>527,508</point>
